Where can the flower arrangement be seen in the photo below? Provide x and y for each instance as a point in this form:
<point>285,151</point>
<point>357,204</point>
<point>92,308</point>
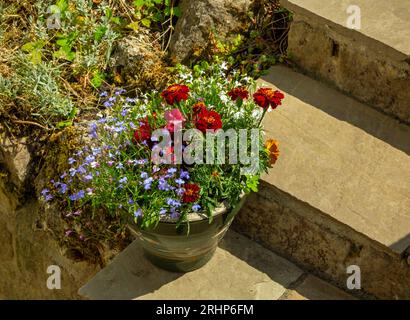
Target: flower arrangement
<point>152,157</point>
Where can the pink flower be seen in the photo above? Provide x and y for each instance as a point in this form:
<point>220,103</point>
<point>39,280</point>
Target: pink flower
<point>173,117</point>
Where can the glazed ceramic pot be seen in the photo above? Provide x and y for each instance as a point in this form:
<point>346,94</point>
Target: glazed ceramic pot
<point>174,249</point>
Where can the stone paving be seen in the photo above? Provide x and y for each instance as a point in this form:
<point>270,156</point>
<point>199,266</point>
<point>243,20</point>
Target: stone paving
<point>240,269</point>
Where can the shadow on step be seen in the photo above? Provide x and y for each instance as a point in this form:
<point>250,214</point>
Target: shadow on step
<point>341,107</point>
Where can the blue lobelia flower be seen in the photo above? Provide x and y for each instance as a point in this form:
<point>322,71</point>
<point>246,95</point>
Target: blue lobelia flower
<point>184,175</point>
<point>138,213</point>
<point>77,196</point>
<point>196,207</point>
<point>147,183</point>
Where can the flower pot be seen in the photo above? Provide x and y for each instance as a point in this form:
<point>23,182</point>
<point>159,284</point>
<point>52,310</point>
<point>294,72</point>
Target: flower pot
<point>174,249</point>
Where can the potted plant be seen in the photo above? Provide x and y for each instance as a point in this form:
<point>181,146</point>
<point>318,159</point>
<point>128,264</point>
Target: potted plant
<point>177,163</point>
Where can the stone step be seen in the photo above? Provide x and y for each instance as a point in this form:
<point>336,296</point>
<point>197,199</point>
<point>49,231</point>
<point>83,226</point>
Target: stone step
<point>240,269</point>
<point>371,64</point>
<point>339,194</point>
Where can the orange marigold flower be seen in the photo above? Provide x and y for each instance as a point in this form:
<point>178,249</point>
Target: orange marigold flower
<point>272,147</point>
<point>175,93</point>
<point>215,174</point>
<point>198,107</point>
<point>240,92</point>
<point>191,193</point>
<point>266,97</point>
<point>208,120</point>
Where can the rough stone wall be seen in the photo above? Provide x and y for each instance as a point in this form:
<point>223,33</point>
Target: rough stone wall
<point>319,244</point>
<point>200,17</point>
<point>27,244</point>
<point>369,71</point>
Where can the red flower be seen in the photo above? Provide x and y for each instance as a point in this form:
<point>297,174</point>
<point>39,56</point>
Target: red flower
<point>175,93</point>
<point>239,92</point>
<point>266,97</point>
<point>198,107</point>
<point>143,132</point>
<point>208,120</point>
<point>191,193</point>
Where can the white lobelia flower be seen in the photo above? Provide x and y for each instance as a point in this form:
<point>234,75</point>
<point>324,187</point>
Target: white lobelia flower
<point>224,97</point>
<point>257,113</point>
<point>239,114</point>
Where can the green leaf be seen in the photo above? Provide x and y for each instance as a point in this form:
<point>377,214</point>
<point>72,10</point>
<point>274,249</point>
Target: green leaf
<point>30,46</point>
<point>108,13</point>
<point>35,56</point>
<point>146,22</point>
<point>97,79</point>
<point>252,183</point>
<point>134,25</point>
<point>116,20</point>
<point>67,40</point>
<point>177,11</point>
<point>65,53</point>
<point>99,33</point>
<point>63,42</point>
<point>62,5</point>
<point>73,113</point>
<point>139,3</point>
<point>64,124</point>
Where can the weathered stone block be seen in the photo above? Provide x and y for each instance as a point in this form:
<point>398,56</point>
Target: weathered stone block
<point>374,71</point>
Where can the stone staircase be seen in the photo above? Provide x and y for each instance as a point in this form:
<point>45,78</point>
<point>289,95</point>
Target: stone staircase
<point>340,193</point>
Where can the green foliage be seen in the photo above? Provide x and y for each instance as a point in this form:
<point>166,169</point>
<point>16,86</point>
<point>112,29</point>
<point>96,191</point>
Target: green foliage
<point>159,15</point>
<point>258,47</point>
<point>36,85</point>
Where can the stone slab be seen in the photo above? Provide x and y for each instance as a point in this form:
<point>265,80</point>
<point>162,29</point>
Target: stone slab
<point>240,269</point>
<point>341,157</point>
<point>313,288</point>
<point>386,22</point>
